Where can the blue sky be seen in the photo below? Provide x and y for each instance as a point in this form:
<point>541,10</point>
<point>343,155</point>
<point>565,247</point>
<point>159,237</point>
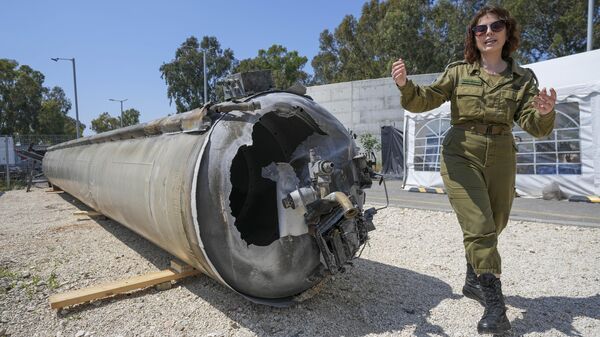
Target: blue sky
<point>119,45</point>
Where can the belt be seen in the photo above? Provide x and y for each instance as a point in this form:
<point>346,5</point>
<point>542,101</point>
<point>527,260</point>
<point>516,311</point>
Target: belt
<point>484,129</point>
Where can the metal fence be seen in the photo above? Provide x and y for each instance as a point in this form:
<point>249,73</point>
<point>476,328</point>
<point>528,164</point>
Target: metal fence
<point>40,141</point>
<point>17,170</point>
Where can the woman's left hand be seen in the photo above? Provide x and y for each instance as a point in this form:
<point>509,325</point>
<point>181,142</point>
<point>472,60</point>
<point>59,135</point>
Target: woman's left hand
<point>543,102</point>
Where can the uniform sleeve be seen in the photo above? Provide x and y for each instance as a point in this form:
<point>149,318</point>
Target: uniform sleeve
<point>417,98</point>
<point>528,118</point>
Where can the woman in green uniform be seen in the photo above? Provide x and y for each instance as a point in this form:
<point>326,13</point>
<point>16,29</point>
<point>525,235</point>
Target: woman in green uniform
<point>488,91</point>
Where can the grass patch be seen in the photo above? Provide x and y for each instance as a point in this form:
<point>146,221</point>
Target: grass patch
<point>53,281</point>
<point>14,184</point>
<point>30,290</point>
<point>7,273</point>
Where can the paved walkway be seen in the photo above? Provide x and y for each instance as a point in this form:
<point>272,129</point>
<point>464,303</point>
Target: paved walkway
<point>538,210</point>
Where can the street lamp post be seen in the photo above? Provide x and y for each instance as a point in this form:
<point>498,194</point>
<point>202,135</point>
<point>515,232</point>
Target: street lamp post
<point>56,59</point>
<point>204,69</point>
<point>121,101</point>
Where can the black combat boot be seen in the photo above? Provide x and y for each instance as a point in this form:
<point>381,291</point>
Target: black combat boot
<point>494,318</point>
<point>472,289</point>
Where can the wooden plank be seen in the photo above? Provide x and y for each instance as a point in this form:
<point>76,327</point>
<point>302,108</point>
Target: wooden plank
<point>53,188</point>
<point>88,213</point>
<point>180,267</point>
<point>62,300</point>
<point>163,286</point>
<point>55,192</point>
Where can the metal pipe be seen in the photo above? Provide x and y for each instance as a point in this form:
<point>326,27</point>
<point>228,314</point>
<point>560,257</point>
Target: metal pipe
<point>349,210</point>
<point>229,106</point>
<point>590,25</point>
<point>204,71</point>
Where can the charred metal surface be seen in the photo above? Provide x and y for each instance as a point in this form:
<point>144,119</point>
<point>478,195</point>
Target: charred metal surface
<point>248,83</point>
<point>262,194</point>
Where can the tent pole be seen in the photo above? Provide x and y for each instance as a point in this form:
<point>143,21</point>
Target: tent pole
<point>404,149</point>
<point>590,24</point>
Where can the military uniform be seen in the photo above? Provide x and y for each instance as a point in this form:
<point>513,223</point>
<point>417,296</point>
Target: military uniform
<point>478,154</point>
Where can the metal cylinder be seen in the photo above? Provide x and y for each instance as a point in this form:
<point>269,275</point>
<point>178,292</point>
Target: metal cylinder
<point>196,185</point>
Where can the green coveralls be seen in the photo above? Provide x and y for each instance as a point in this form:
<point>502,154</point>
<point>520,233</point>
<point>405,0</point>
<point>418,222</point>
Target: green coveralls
<point>478,161</point>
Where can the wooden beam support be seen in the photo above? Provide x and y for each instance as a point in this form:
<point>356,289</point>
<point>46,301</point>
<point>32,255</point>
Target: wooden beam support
<point>88,213</point>
<point>180,267</point>
<point>62,300</point>
<point>53,188</point>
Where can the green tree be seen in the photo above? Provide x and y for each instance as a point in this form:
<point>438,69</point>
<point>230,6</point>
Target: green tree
<point>430,34</point>
<point>326,63</point>
<point>8,74</point>
<point>445,29</point>
<point>553,28</point>
<point>130,117</point>
<point>365,47</point>
<point>105,122</point>
<point>70,124</point>
<point>369,143</point>
<point>52,118</point>
<point>286,66</point>
<point>26,106</point>
<point>21,97</point>
<point>184,74</point>
<point>57,94</point>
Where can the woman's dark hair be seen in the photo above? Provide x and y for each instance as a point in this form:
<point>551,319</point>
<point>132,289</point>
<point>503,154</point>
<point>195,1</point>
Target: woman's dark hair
<point>473,54</point>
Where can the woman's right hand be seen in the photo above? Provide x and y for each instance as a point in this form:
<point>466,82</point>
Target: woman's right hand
<point>399,73</point>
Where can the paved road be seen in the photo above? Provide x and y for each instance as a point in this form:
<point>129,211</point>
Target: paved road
<point>538,210</point>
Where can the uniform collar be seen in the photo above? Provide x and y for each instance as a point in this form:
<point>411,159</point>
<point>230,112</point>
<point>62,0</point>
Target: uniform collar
<point>475,67</point>
<point>516,69</point>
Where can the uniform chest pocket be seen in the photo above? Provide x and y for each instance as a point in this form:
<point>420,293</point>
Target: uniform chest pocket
<point>508,102</point>
<point>469,100</point>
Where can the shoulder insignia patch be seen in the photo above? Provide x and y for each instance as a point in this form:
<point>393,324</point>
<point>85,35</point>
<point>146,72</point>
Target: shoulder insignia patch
<point>456,63</point>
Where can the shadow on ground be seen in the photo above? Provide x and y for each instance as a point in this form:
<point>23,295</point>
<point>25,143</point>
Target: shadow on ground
<point>370,297</point>
<point>545,314</point>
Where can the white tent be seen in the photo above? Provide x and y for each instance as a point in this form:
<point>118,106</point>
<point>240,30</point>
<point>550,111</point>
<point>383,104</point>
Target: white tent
<point>570,156</point>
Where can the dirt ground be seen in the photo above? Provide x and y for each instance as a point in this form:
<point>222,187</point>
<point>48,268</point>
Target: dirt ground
<point>406,283</point>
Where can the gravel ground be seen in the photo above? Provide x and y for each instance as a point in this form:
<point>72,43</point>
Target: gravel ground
<point>407,282</point>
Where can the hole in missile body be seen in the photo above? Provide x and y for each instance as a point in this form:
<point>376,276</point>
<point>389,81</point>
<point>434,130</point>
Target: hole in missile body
<point>253,198</point>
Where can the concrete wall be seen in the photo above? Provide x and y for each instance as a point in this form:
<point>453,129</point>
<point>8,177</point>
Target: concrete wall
<point>365,106</point>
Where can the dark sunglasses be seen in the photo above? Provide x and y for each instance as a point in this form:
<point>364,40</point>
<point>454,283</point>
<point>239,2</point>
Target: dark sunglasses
<point>496,27</point>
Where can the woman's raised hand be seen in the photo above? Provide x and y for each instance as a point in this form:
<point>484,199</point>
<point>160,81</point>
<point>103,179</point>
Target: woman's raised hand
<point>543,102</point>
<point>399,72</point>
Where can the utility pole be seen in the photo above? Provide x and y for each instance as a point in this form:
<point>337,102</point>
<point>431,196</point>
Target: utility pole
<point>56,59</point>
<point>119,100</point>
<point>204,68</point>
